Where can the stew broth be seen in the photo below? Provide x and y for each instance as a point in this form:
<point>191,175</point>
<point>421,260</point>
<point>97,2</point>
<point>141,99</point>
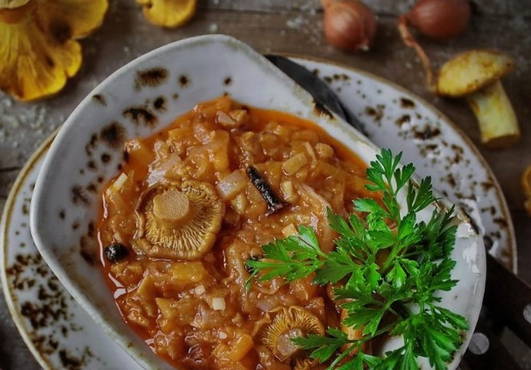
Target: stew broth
<point>189,217</point>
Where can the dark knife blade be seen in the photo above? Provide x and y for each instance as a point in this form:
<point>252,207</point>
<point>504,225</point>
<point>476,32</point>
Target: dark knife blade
<point>317,88</point>
<point>508,299</point>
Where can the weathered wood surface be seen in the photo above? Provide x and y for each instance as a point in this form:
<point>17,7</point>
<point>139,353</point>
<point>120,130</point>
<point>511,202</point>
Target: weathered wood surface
<point>285,26</point>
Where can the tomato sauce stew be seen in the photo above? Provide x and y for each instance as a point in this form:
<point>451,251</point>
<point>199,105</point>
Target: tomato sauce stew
<point>197,200</point>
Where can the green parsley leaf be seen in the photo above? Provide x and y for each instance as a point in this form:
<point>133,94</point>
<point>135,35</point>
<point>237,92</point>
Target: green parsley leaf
<point>385,263</point>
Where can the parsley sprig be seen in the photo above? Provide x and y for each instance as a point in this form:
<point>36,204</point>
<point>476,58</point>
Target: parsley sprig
<point>385,263</point>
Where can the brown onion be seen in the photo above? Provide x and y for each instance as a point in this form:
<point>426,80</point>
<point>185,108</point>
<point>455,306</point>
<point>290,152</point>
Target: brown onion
<point>348,24</point>
<point>440,19</point>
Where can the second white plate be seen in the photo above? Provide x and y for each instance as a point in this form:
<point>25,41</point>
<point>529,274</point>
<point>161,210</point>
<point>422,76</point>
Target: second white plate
<point>61,335</point>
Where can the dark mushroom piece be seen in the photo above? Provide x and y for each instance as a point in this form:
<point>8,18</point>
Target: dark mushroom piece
<point>273,201</point>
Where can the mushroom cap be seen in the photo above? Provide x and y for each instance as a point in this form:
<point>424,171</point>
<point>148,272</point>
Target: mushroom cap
<point>178,221</point>
<point>471,71</point>
<point>289,323</point>
<point>168,13</point>
<point>39,50</point>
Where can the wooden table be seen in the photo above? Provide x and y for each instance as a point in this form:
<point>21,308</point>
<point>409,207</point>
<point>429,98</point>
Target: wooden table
<point>286,26</point>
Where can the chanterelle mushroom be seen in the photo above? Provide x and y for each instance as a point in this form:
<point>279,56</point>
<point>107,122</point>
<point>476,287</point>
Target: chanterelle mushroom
<point>39,50</point>
<point>290,323</point>
<point>178,221</point>
<point>476,74</point>
<point>168,13</point>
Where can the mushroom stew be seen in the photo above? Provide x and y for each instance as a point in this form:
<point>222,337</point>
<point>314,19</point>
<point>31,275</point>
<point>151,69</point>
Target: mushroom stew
<point>193,203</point>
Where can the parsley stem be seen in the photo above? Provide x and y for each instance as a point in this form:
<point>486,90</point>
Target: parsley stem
<point>344,354</point>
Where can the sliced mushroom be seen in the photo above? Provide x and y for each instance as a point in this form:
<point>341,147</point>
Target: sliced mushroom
<point>476,74</point>
<point>178,221</point>
<point>287,324</point>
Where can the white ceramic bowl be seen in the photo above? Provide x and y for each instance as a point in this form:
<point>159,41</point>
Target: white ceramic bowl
<point>140,99</point>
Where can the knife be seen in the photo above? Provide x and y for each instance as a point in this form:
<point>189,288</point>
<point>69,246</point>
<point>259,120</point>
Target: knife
<point>508,298</point>
<point>507,302</point>
<point>317,88</point>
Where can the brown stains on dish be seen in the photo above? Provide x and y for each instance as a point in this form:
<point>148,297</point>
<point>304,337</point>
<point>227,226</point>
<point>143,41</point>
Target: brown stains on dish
<point>184,81</point>
<point>91,144</point>
<point>79,196</point>
<point>141,115</point>
<point>100,99</point>
<point>88,246</point>
<point>376,113</point>
<point>48,310</point>
<point>159,104</point>
<point>426,133</point>
<point>340,77</point>
<point>227,81</point>
<point>87,250</point>
<point>501,222</point>
<point>320,109</point>
<point>112,134</point>
<point>92,188</point>
<point>62,214</point>
<point>407,103</point>
<point>151,77</point>
<point>92,165</point>
<point>105,158</point>
<point>400,121</point>
<point>487,185</point>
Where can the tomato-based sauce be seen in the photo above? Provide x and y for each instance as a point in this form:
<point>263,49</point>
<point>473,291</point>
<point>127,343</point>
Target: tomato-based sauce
<point>183,217</point>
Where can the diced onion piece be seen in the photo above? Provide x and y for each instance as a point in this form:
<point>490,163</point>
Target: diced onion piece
<point>139,153</point>
<point>285,345</point>
<point>239,204</point>
<point>295,163</point>
<point>324,151</point>
<point>232,184</point>
<point>225,120</point>
<point>240,116</point>
<point>187,272</point>
<point>181,133</point>
<point>218,303</point>
<point>146,289</point>
<point>119,182</point>
<point>305,135</point>
<point>288,191</point>
<point>310,150</point>
<point>240,347</point>
<point>283,131</point>
<point>200,289</point>
<point>219,150</point>
<point>289,230</point>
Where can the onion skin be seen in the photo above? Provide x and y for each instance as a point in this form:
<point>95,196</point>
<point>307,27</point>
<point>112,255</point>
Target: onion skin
<point>440,19</point>
<point>348,24</point>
